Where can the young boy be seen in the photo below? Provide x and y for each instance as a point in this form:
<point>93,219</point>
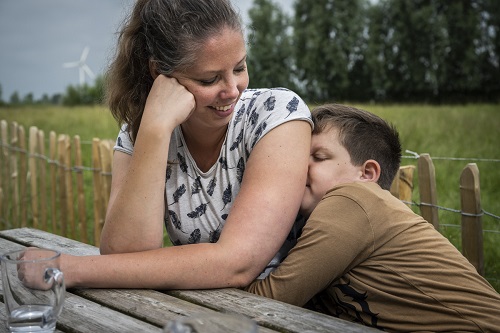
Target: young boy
<point>363,255</point>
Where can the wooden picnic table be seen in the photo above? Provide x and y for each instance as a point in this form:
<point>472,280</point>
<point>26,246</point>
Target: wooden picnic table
<point>143,310</point>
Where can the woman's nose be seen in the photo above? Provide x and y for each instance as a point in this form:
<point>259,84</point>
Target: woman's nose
<point>230,89</point>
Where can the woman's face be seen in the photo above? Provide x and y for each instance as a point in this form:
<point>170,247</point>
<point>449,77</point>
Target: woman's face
<point>216,79</point>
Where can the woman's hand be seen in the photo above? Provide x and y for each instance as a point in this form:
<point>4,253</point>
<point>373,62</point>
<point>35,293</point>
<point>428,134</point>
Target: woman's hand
<point>168,103</point>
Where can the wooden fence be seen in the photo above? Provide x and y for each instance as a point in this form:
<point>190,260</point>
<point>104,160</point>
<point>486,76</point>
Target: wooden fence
<point>50,191</point>
<point>56,199</point>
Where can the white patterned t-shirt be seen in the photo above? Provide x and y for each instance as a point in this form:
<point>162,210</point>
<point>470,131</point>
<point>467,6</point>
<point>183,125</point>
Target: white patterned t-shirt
<point>198,203</point>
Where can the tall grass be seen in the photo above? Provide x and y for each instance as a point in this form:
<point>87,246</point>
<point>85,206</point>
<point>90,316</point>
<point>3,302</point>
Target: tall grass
<point>460,131</point>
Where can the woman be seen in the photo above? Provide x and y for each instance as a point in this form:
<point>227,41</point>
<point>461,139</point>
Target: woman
<point>224,167</point>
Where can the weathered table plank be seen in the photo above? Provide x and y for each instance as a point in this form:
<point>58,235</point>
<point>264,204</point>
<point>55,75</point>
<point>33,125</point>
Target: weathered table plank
<point>268,312</point>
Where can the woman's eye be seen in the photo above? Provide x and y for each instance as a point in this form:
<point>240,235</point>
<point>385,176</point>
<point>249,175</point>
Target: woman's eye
<point>208,82</point>
<point>240,69</point>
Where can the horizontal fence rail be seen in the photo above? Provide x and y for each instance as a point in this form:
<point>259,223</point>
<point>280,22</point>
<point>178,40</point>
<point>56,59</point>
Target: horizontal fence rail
<point>50,189</point>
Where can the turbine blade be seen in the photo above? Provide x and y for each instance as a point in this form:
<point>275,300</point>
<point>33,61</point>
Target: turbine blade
<point>71,64</point>
<point>87,70</point>
<point>85,53</point>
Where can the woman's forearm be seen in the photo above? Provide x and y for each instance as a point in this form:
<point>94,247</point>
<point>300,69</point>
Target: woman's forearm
<point>197,266</point>
<point>134,220</point>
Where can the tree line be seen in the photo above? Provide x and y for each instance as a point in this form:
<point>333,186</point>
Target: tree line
<point>435,51</point>
<point>74,95</point>
<point>428,51</point>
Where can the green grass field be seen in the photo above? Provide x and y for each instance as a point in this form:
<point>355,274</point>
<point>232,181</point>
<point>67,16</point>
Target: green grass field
<point>447,133</point>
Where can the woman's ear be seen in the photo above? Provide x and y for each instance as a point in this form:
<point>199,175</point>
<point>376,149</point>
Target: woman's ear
<point>152,69</point>
<point>371,171</point>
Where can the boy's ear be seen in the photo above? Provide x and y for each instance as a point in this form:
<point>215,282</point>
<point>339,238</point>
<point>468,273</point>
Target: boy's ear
<point>370,171</point>
<point>152,69</point>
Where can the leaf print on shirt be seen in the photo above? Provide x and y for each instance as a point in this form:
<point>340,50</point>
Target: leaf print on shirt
<point>259,131</point>
<point>240,169</point>
<point>254,117</point>
<point>174,219</point>
<point>196,187</point>
<point>213,237</point>
<point>119,143</point>
<point>269,103</point>
<point>292,106</point>
<point>211,186</point>
<point>237,142</point>
<point>169,172</point>
<point>178,193</point>
<point>199,211</point>
<point>254,98</point>
<point>239,114</point>
<point>223,163</point>
<point>227,196</point>
<point>194,237</point>
<point>182,163</point>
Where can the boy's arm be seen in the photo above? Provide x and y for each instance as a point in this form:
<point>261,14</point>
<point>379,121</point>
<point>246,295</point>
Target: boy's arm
<point>336,237</point>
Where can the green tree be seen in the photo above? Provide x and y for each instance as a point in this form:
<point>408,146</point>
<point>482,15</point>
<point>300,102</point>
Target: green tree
<point>409,42</point>
<point>28,99</point>
<point>270,56</point>
<point>329,43</point>
<point>490,47</point>
<point>14,98</point>
<point>463,54</point>
<point>84,95</point>
<point>45,99</point>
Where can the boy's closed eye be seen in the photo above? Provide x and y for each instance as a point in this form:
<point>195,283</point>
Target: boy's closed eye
<point>319,157</point>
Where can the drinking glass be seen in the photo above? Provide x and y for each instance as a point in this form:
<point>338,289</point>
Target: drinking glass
<point>33,288</point>
<point>211,323</point>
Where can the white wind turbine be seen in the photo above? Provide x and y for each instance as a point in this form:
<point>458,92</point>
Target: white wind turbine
<point>82,66</point>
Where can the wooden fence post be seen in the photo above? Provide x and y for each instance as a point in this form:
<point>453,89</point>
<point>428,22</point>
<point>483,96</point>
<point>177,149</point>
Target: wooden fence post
<point>472,226</point>
<point>14,175</point>
<point>406,183</point>
<point>4,174</point>
<point>63,194</point>
<point>98,201</point>
<point>53,180</point>
<point>43,180</point>
<point>69,186</point>
<point>427,188</point>
<point>33,136</point>
<point>82,216</point>
<point>23,172</point>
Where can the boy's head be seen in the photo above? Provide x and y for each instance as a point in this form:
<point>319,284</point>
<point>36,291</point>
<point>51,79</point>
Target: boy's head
<point>349,145</point>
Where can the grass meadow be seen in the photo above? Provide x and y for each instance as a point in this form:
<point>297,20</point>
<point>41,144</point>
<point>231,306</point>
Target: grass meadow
<point>452,135</point>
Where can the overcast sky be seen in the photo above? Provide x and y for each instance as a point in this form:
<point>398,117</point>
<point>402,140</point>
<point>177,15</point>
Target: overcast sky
<point>38,36</point>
